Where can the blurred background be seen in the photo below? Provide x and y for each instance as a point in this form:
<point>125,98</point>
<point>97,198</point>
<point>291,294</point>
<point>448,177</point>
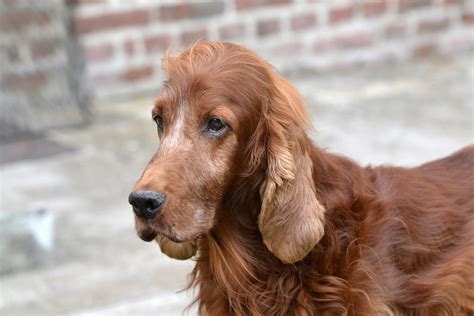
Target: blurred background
<point>385,82</point>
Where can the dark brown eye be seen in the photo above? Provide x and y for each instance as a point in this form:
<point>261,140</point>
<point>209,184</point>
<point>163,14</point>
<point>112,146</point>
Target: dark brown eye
<point>215,125</point>
<point>159,123</point>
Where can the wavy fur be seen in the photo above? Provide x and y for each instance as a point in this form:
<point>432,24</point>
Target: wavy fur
<point>296,230</point>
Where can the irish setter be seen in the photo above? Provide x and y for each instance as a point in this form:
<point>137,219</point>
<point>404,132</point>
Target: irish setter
<point>277,225</point>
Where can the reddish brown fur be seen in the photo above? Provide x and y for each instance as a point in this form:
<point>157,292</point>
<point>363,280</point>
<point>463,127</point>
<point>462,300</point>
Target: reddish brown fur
<point>384,240</point>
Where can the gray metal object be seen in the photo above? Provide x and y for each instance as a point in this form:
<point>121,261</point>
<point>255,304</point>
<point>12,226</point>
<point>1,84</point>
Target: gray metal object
<point>26,240</point>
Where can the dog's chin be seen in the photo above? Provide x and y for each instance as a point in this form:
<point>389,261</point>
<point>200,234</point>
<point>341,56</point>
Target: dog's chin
<point>147,234</point>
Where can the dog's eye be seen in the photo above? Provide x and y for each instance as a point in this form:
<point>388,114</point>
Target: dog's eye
<point>159,123</point>
<point>215,125</point>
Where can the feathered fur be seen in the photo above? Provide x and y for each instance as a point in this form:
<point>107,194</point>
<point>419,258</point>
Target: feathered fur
<point>291,229</point>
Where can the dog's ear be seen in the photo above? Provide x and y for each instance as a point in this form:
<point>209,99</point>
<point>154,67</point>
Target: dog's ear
<point>291,218</point>
<point>180,251</point>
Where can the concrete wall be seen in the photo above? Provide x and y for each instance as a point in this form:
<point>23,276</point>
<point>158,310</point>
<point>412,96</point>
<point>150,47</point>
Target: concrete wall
<point>40,71</point>
<point>123,41</point>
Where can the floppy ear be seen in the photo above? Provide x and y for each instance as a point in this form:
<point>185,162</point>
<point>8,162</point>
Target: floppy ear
<point>180,251</point>
<point>291,218</point>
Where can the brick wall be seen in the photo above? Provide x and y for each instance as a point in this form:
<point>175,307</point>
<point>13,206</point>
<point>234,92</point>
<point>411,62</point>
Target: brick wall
<point>39,81</point>
<point>123,41</point>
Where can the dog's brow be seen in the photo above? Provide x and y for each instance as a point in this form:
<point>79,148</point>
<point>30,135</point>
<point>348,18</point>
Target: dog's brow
<point>154,112</point>
<point>157,106</point>
<point>223,112</point>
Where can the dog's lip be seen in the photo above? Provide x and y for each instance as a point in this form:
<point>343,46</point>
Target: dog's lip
<point>147,235</point>
<point>149,230</point>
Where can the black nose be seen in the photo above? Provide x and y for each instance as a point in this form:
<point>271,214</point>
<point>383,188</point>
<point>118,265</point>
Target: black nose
<point>146,204</point>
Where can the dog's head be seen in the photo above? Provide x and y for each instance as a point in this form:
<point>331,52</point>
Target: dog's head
<point>225,113</point>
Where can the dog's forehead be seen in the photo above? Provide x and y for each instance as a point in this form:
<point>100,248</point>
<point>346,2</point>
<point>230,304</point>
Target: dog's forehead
<point>168,103</point>
<point>171,107</point>
<point>199,100</point>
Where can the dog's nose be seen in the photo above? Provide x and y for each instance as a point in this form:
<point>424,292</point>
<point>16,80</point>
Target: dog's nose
<point>146,204</point>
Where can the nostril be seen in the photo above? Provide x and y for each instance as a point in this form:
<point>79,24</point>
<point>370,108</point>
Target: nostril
<point>137,211</point>
<point>146,204</point>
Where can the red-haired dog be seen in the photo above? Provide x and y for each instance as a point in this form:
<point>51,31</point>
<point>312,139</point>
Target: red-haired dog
<point>277,225</point>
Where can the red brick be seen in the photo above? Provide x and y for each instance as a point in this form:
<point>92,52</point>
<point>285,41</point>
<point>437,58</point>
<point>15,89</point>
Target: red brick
<point>253,4</point>
<point>112,20</point>
<point>26,82</point>
<point>190,37</point>
<point>341,14</point>
<point>322,45</point>
<point>431,26</point>
<point>405,5</point>
<point>341,66</point>
<point>138,73</point>
<point>374,7</point>
<point>425,50</point>
<point>18,21</point>
<point>303,21</point>
<point>468,17</point>
<point>193,10</point>
<point>98,53</point>
<point>231,31</point>
<point>157,43</point>
<point>102,79</point>
<point>174,12</point>
<point>395,31</point>
<point>43,48</point>
<point>286,49</point>
<point>268,27</point>
<point>354,40</point>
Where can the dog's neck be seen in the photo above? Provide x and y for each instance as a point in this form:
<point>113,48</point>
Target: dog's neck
<point>228,264</point>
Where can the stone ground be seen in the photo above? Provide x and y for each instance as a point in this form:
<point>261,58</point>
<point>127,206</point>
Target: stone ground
<point>403,114</point>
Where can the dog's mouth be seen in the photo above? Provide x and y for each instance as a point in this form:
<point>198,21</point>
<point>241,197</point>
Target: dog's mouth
<point>148,230</point>
<point>149,233</point>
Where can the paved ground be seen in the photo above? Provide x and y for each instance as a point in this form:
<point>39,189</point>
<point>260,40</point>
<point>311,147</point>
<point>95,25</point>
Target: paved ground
<point>405,115</point>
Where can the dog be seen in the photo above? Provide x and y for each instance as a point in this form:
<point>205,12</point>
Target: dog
<point>277,225</point>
